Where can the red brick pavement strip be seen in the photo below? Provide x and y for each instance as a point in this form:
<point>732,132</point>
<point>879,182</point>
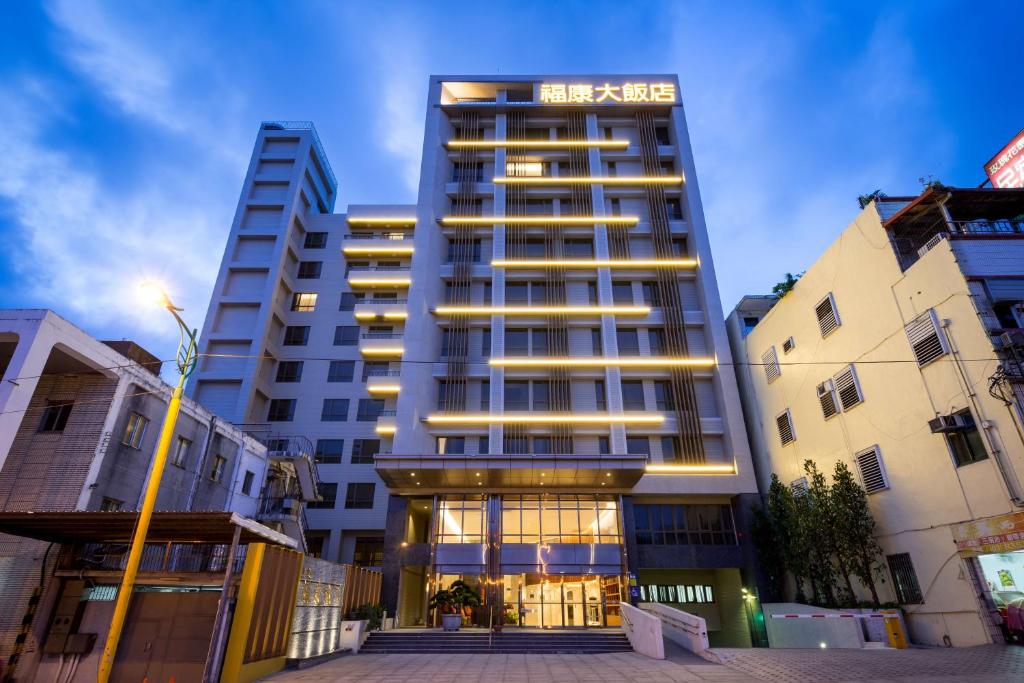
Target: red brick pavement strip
<point>981,663</point>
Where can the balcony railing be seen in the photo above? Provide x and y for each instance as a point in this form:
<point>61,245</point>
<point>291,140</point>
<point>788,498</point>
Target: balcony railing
<point>188,558</point>
<point>396,236</point>
<point>383,373</point>
<point>381,335</point>
<point>376,269</point>
<point>987,227</point>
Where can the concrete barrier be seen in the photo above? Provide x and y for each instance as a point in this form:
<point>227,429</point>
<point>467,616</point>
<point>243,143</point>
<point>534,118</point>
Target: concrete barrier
<point>682,628</point>
<point>644,632</point>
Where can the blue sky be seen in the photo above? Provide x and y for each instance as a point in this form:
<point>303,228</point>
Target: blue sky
<point>125,128</point>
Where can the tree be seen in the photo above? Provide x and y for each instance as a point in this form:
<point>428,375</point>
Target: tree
<point>855,529</point>
<point>817,534</point>
<point>771,553</point>
<point>866,199</point>
<point>782,288</point>
<point>782,513</point>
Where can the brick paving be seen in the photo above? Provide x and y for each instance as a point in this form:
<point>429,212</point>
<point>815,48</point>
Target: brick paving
<point>984,664</point>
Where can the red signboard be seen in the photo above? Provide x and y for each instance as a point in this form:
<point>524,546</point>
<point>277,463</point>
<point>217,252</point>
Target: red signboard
<point>1006,169</point>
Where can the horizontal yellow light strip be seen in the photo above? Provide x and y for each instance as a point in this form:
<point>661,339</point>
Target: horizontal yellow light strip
<point>379,282</point>
<point>589,180</point>
<point>385,430</point>
<point>383,388</point>
<point>655,362</point>
<point>381,220</point>
<point>539,220</point>
<point>542,310</point>
<point>386,315</point>
<point>537,144</point>
<point>548,418</point>
<point>691,469</point>
<point>369,251</point>
<point>591,263</point>
<point>383,351</point>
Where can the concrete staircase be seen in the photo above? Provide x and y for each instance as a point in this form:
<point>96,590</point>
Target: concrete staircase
<point>477,641</point>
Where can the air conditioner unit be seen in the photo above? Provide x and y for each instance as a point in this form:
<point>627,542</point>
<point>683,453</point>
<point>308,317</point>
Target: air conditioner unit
<point>938,237</point>
<point>1011,338</point>
<point>825,388</point>
<point>947,423</point>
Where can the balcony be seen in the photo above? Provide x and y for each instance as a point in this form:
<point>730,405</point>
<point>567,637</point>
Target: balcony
<point>383,383</point>
<point>378,243</point>
<point>381,344</point>
<point>380,309</point>
<point>378,276</point>
<point>387,425</point>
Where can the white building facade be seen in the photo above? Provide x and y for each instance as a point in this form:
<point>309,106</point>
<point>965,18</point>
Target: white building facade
<point>897,353</point>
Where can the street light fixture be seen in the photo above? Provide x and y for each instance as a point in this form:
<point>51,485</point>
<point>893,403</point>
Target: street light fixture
<point>186,362</point>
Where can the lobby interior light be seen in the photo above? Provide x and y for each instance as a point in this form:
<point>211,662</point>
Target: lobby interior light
<point>692,469</point>
<point>381,220</point>
<point>537,144</point>
<point>539,220</point>
<point>595,263</point>
<point>601,362</point>
<point>589,180</point>
<point>379,282</point>
<point>546,418</point>
<point>542,310</point>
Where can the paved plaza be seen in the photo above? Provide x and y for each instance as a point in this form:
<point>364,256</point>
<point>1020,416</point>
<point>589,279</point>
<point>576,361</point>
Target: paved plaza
<point>985,663</point>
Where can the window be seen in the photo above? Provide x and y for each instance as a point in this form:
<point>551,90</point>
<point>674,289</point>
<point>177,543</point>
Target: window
<point>517,342</point>
<point>517,293</point>
<point>485,445</point>
<point>904,579</point>
<point>309,270</point>
<point>181,447</point>
<point>749,324</point>
<point>349,300</point>
<point>462,519</point>
<point>925,338</point>
<point>784,422</point>
<point>328,451</point>
<point>600,395</point>
<point>622,292</point>
<point>281,410</point>
<point>633,395</point>
<point>677,594</point>
<point>346,335</point>
<point>369,551</point>
<point>872,470</point>
<point>55,416</point>
<point>638,445</point>
<point>651,292</point>
<point>468,172</point>
<point>828,316</point>
<point>363,451</point>
<point>592,293</point>
<point>341,371</point>
<point>671,449</point>
<point>247,481</point>
<point>679,524</point>
<point>516,444</point>
<point>328,495</point>
<point>135,430</point>
<point>559,519</point>
<point>674,209</point>
<point>541,395</point>
<point>454,343</point>
<point>770,361</point>
<point>111,505</point>
<point>596,347</point>
<point>462,252</point>
<point>788,345</point>
<point>334,410</point>
<point>661,136</point>
<point>604,446</point>
<point>296,335</point>
<point>289,371</point>
<point>451,445</point>
<point>315,543</point>
<point>966,442</point>
<point>217,469</point>
<point>663,395</point>
<point>848,388</point>
<point>628,341</point>
<point>656,341</point>
<point>304,302</point>
<point>316,240</point>
<point>485,395</point>
<point>488,293</point>
<point>579,248</point>
<point>359,496</point>
<point>517,395</point>
<point>485,342</point>
<point>615,206</point>
<point>539,338</point>
<point>369,409</point>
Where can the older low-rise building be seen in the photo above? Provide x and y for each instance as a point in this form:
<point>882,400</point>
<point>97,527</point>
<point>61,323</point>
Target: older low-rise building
<point>898,353</point>
<point>79,422</point>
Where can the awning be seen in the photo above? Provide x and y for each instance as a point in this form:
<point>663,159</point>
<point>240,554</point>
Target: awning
<point>117,527</point>
<point>427,472</point>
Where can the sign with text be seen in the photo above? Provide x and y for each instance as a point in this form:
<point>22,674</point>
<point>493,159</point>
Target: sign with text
<point>632,92</point>
<point>1006,169</point>
<point>1000,534</point>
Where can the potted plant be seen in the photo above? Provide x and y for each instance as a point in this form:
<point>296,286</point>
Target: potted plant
<point>452,602</point>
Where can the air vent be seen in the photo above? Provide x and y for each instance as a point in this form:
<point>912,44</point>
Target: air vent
<point>799,487</point>
<point>872,470</point>
<point>827,397</point>
<point>788,345</point>
<point>785,424</point>
<point>847,388</point>
<point>935,239</point>
<point>828,317</point>
<point>926,338</point>
<point>770,360</point>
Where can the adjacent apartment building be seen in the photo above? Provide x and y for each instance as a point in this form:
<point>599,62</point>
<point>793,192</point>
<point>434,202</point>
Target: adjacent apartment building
<point>79,421</point>
<point>517,380</point>
<point>899,352</point>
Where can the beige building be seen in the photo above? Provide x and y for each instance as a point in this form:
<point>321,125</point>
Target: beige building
<point>896,353</point>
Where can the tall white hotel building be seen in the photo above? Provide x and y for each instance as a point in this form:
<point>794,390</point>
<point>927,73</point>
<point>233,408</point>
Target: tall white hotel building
<point>523,380</point>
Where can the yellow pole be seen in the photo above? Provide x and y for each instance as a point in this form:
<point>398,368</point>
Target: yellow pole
<point>124,593</point>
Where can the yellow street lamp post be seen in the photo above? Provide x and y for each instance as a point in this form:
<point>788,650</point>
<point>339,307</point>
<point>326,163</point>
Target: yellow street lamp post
<point>186,361</point>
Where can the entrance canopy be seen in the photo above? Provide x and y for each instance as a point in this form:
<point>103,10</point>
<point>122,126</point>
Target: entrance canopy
<point>510,471</point>
<point>117,527</point>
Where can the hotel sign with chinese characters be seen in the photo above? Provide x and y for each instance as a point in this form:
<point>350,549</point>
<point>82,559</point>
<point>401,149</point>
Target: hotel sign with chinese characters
<point>1006,169</point>
<point>633,92</point>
